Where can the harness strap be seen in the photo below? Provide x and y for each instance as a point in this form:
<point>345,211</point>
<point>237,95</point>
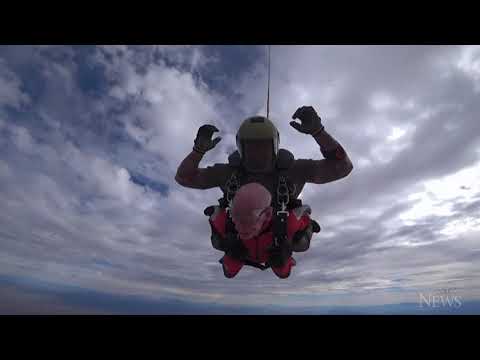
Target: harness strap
<point>252,264</point>
<point>257,265</point>
<point>281,203</point>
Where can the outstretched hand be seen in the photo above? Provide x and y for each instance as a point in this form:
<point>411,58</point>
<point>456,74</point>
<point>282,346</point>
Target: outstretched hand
<point>203,141</point>
<point>311,123</point>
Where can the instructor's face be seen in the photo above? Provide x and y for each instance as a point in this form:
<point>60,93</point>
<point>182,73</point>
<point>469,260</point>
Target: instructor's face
<point>258,156</point>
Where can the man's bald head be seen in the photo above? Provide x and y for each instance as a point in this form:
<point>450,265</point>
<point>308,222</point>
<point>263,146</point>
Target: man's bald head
<point>251,209</point>
<point>250,197</point>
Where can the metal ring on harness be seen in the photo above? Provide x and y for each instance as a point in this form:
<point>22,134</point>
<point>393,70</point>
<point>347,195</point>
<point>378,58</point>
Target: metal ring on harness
<point>283,199</point>
<point>231,187</point>
<point>283,194</point>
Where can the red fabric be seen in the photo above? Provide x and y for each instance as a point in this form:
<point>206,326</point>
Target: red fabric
<point>258,246</point>
<point>284,271</point>
<point>231,266</point>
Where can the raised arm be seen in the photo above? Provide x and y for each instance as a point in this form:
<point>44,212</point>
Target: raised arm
<point>336,164</point>
<point>189,174</point>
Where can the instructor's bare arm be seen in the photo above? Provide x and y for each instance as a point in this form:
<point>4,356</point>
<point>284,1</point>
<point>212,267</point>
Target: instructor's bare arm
<point>335,168</point>
<point>189,174</point>
<point>324,171</point>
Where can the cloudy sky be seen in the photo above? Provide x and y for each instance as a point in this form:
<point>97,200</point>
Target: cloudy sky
<point>91,137</point>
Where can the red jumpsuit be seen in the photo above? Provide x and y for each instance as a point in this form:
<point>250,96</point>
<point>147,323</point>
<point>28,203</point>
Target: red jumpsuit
<point>258,246</point>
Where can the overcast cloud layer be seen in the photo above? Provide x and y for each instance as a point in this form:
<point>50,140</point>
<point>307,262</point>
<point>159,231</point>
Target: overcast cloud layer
<point>91,138</point>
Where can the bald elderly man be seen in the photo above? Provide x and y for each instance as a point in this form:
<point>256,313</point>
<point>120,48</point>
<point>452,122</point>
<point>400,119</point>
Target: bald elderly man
<point>252,216</point>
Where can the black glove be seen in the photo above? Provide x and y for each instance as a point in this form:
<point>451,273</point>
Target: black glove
<point>203,142</point>
<point>311,123</point>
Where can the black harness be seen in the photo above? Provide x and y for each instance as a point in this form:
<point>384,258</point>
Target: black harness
<point>282,200</point>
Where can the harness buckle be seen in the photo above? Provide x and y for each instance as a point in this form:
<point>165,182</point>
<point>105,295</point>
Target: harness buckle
<point>232,187</point>
<point>282,192</point>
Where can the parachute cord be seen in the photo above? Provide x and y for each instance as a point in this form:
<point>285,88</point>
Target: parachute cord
<point>268,86</point>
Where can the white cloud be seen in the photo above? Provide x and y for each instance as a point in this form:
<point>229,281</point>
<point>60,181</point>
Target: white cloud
<point>440,195</point>
<point>84,201</point>
<point>22,139</point>
<point>381,101</point>
<point>397,133</point>
<point>469,63</point>
<point>112,180</point>
<point>10,88</point>
<point>4,169</point>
